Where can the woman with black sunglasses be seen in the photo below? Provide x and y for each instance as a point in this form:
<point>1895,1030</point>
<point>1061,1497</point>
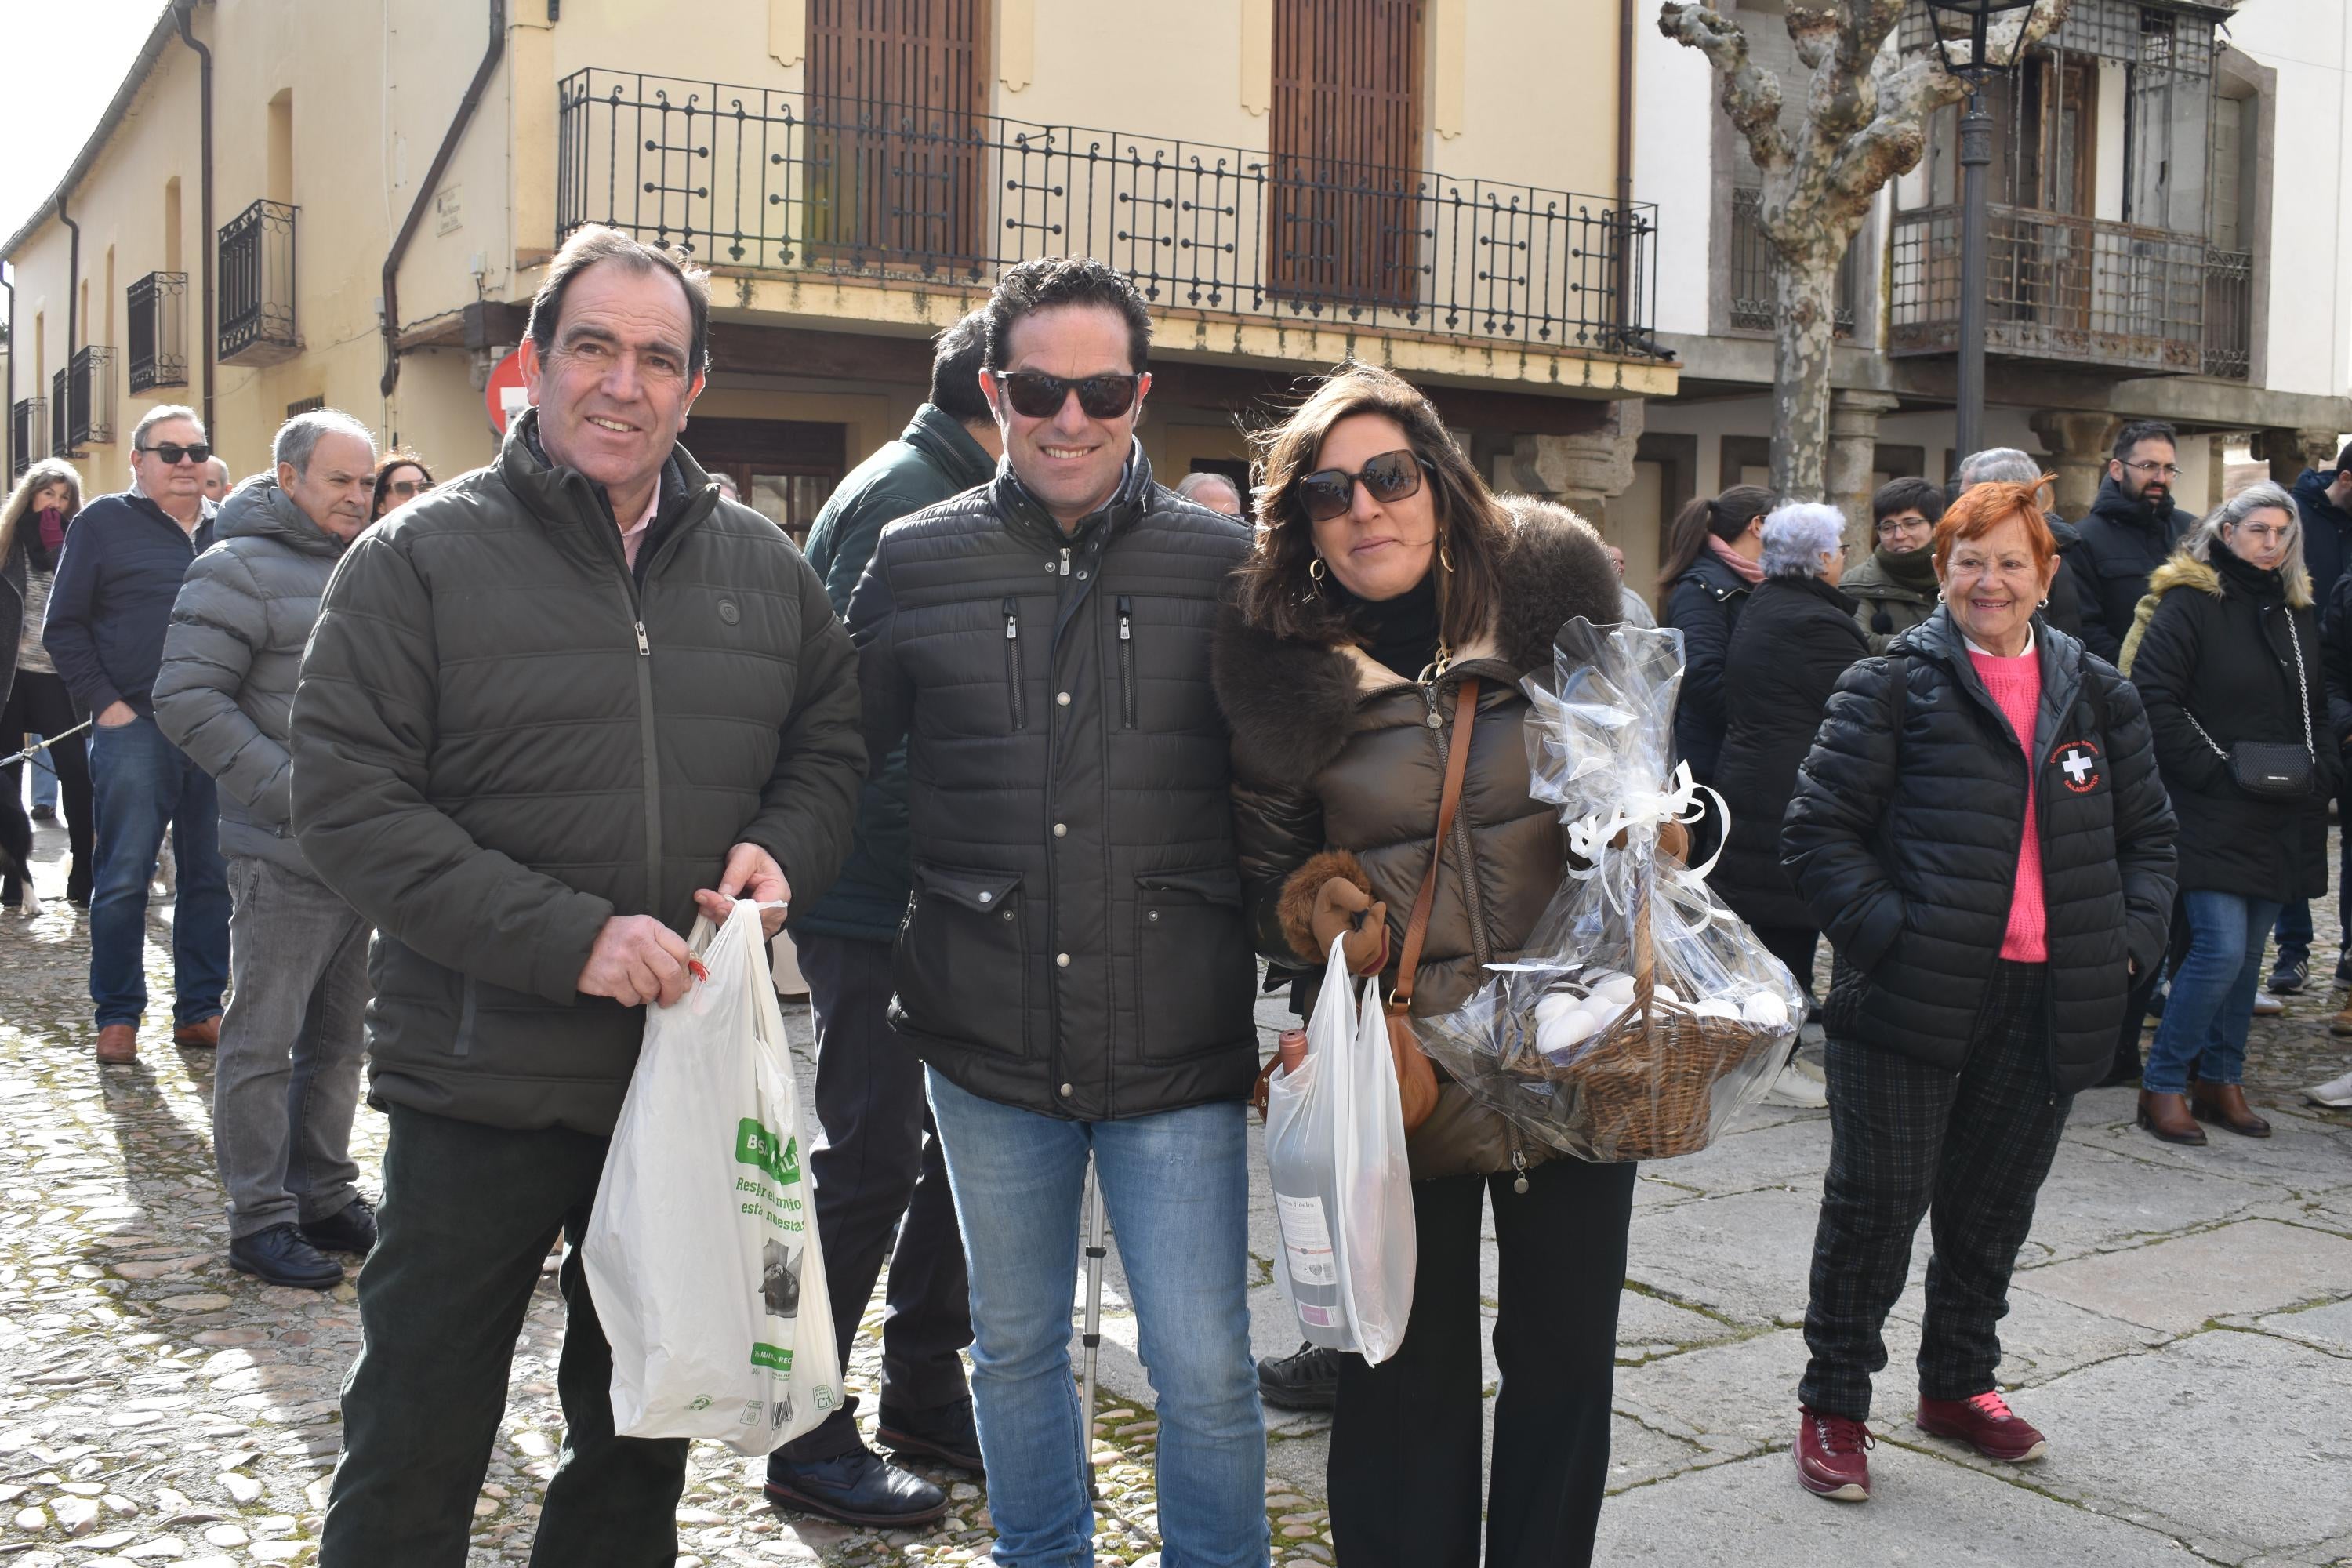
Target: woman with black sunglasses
<point>400,478</point>
<point>1385,583</point>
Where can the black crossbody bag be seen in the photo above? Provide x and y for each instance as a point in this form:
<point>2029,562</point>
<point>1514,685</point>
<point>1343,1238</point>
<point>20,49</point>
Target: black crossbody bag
<point>2273,770</point>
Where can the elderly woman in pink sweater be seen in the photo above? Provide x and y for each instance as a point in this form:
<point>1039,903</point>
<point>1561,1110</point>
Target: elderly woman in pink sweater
<point>1982,833</point>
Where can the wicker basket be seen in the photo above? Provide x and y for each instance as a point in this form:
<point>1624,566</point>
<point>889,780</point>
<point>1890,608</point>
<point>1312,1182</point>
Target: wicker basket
<point>1646,1083</point>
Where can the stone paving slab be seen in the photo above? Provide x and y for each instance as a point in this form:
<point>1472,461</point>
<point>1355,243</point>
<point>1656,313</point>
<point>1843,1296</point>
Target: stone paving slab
<point>2179,1285</point>
<point>1924,1513</point>
<point>2237,1441</point>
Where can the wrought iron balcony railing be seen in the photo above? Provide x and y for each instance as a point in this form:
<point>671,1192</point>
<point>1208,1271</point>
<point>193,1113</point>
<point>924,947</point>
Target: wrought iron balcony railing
<point>158,338</point>
<point>2074,289</point>
<point>82,399</point>
<point>747,177</point>
<point>257,286</point>
<point>28,434</point>
<point>1753,306</point>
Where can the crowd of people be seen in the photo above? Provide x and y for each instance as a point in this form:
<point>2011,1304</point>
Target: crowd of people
<point>1048,764</point>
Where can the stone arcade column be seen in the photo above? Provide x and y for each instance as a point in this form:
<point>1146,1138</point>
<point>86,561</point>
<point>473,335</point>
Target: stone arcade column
<point>1583,472</point>
<point>1852,456</point>
<point>2079,444</point>
<point>2289,452</point>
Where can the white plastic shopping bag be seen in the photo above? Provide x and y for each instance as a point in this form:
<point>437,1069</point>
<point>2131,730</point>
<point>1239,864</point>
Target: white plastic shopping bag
<point>702,1252</point>
<point>1342,1188</point>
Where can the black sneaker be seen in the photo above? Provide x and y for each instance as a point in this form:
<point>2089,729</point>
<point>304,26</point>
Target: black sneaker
<point>351,1228</point>
<point>855,1488</point>
<point>2292,972</point>
<point>2344,969</point>
<point>945,1433</point>
<point>1308,1380</point>
<point>44,814</point>
<point>280,1256</point>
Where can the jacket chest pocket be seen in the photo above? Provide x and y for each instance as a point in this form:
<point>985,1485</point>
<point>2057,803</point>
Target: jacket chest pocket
<point>1195,971</point>
<point>961,966</point>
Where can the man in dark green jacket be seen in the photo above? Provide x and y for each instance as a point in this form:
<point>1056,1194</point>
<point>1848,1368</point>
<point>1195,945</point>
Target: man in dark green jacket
<point>549,712</point>
<point>875,1172</point>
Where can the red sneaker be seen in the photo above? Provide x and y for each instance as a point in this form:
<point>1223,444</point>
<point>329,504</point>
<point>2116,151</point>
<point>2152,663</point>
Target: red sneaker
<point>1986,1424</point>
<point>1830,1459</point>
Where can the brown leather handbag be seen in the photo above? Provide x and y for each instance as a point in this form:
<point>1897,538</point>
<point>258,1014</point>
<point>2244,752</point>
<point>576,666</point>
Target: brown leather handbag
<point>1416,1078</point>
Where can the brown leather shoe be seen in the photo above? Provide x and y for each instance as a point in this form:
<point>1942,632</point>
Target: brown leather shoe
<point>2166,1116</point>
<point>2225,1103</point>
<point>2342,1026</point>
<point>116,1043</point>
<point>204,1034</point>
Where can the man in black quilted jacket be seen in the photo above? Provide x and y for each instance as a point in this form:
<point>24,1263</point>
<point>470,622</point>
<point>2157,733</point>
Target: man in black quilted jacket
<point>550,712</point>
<point>1074,968</point>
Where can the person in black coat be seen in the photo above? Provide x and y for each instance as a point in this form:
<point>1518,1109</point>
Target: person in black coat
<point>2226,654</point>
<point>1710,567</point>
<point>2323,499</point>
<point>2131,530</point>
<point>1794,639</point>
<point>1982,833</point>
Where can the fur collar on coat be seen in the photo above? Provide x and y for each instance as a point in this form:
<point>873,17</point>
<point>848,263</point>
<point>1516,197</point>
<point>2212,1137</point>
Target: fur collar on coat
<point>1293,705</point>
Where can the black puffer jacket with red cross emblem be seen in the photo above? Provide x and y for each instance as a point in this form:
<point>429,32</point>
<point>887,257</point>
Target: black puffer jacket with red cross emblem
<point>1906,826</point>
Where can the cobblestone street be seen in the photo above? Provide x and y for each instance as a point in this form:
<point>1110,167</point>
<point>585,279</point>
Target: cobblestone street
<point>2181,1327</point>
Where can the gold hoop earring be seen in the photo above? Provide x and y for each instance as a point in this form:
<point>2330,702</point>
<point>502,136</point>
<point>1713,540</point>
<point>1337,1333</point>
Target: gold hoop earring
<point>1315,569</point>
<point>1443,558</point>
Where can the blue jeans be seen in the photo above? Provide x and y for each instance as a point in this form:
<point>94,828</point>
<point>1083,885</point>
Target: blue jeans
<point>1176,1187</point>
<point>2213,996</point>
<point>143,785</point>
<point>45,778</point>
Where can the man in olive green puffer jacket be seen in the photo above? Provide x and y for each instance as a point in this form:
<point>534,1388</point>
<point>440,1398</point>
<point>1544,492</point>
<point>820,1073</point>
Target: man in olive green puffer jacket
<point>549,712</point>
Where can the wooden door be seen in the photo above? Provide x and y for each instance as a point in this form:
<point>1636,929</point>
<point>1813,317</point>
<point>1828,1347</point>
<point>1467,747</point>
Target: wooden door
<point>1347,148</point>
<point>897,101</point>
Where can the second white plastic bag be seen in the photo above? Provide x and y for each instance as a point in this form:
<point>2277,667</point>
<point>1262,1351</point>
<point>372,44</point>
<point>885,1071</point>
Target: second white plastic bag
<point>702,1252</point>
<point>1342,1187</point>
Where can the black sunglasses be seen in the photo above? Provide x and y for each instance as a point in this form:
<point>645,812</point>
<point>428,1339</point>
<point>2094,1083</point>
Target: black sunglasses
<point>1037,396</point>
<point>174,454</point>
<point>1328,492</point>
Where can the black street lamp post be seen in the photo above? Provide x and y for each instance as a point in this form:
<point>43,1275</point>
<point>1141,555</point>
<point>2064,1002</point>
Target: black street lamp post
<point>1975,49</point>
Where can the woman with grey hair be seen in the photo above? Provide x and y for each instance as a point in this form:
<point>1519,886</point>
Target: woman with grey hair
<point>1212,489</point>
<point>1797,635</point>
<point>2225,652</point>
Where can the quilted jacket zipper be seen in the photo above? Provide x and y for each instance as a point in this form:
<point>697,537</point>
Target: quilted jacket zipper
<point>1012,657</point>
<point>1126,661</point>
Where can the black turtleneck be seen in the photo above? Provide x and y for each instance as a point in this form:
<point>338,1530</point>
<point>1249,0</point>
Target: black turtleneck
<point>2256,583</point>
<point>1401,634</point>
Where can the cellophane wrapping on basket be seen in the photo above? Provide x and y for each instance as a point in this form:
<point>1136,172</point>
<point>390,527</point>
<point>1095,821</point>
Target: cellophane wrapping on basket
<point>1641,1015</point>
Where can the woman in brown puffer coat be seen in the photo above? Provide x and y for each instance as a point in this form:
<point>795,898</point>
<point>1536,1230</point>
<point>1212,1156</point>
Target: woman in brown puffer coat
<point>1383,577</point>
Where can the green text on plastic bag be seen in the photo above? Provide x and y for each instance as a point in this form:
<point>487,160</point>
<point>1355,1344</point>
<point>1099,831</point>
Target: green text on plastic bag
<point>757,1145</point>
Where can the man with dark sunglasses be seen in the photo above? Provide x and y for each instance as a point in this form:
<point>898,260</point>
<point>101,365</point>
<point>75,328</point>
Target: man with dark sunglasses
<point>109,610</point>
<point>1073,966</point>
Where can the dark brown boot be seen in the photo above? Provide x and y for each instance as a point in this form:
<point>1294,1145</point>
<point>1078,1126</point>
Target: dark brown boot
<point>2166,1116</point>
<point>2225,1103</point>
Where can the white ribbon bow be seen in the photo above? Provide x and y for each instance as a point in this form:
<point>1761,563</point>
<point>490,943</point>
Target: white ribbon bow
<point>1591,837</point>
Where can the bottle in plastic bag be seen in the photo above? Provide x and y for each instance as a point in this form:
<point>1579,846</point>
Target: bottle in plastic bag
<point>1342,1186</point>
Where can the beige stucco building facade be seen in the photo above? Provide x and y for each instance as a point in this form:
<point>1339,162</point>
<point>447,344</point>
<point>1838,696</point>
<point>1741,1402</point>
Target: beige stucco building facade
<point>854,174</point>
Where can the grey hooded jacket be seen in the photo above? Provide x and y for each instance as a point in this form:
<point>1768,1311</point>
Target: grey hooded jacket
<point>226,687</point>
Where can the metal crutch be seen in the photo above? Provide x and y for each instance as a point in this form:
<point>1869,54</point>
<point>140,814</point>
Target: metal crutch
<point>32,753</point>
<point>1092,1211</point>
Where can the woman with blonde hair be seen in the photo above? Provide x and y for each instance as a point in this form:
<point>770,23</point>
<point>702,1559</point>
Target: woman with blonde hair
<point>1378,632</point>
<point>32,536</point>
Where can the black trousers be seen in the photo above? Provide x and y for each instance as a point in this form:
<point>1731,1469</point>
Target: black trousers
<point>1404,1467</point>
<point>38,705</point>
<point>468,1217</point>
<point>1970,1149</point>
<point>879,1170</point>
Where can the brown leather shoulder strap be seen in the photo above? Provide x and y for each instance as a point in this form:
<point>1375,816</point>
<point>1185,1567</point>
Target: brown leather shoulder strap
<point>1458,765</point>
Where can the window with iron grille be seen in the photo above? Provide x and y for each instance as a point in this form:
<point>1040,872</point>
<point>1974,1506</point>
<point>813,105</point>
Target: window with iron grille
<point>28,434</point>
<point>157,343</point>
<point>257,286</point>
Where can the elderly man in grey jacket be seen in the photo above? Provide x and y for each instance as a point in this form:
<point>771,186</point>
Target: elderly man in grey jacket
<point>288,1076</point>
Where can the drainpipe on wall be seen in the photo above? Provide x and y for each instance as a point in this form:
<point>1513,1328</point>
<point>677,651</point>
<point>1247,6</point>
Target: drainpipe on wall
<point>1625,278</point>
<point>431,183</point>
<point>73,323</point>
<point>210,345</point>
